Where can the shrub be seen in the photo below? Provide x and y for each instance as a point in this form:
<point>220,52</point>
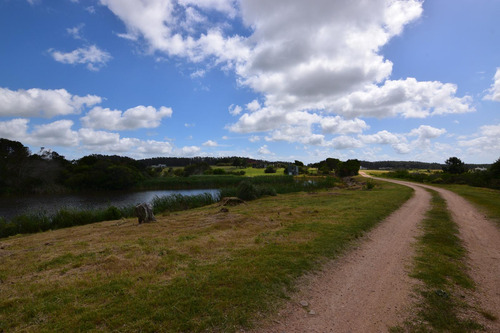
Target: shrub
<point>7,228</point>
<point>112,213</point>
<point>266,190</point>
<point>438,180</point>
<point>270,169</point>
<point>369,185</point>
<point>247,191</point>
<point>219,171</point>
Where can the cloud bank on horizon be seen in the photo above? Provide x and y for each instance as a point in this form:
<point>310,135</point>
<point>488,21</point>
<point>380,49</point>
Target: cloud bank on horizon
<point>312,80</point>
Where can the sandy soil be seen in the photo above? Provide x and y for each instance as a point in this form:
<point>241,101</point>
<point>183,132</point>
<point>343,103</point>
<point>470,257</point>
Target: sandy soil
<point>365,290</point>
<point>368,290</point>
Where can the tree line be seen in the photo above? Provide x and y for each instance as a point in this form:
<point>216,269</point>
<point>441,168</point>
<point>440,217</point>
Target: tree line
<point>47,171</point>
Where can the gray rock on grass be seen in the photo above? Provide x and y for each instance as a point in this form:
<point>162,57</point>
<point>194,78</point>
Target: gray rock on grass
<point>144,213</point>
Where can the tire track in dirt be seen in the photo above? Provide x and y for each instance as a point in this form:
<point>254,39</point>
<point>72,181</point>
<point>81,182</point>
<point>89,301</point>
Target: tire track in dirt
<point>365,290</point>
<point>481,238</point>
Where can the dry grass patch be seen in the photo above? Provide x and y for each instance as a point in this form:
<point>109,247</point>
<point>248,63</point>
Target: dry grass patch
<point>198,270</point>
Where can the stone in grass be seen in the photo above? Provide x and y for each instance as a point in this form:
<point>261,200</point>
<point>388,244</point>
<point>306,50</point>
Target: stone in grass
<point>304,304</point>
<point>144,213</point>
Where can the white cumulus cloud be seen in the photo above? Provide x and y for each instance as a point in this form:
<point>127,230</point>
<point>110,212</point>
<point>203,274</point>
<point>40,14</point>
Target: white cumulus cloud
<point>485,144</point>
<point>42,103</point>
<point>409,98</point>
<point>234,109</point>
<point>210,143</point>
<point>14,129</point>
<point>92,56</point>
<point>494,91</point>
<point>133,118</point>
<point>263,150</point>
<point>158,22</point>
<point>58,133</point>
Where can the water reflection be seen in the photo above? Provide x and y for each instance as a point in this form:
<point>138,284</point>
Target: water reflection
<point>12,206</point>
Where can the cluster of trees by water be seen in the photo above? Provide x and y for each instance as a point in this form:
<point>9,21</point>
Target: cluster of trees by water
<point>48,172</point>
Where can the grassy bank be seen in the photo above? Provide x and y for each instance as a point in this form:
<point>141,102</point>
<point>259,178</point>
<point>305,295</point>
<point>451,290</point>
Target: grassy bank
<point>255,188</point>
<point>67,217</point>
<point>443,303</point>
<point>192,271</point>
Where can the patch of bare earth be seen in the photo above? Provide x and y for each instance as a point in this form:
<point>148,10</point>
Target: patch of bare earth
<point>368,288</point>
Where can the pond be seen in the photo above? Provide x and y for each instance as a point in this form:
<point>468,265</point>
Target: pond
<point>12,206</point>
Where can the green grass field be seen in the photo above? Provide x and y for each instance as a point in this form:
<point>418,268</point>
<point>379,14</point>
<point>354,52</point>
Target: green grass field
<point>192,271</point>
<point>251,172</point>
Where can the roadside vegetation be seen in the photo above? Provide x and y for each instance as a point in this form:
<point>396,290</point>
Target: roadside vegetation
<point>443,301</point>
<point>487,200</point>
<point>192,271</point>
<point>454,172</point>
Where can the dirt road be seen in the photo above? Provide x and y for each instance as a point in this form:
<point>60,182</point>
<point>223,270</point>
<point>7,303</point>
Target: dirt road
<point>368,289</point>
<point>482,241</point>
<point>364,290</point>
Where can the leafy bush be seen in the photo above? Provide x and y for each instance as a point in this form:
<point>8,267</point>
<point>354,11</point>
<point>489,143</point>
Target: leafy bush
<point>218,171</point>
<point>7,228</point>
<point>266,190</point>
<point>247,191</point>
<point>270,169</point>
<point>369,185</point>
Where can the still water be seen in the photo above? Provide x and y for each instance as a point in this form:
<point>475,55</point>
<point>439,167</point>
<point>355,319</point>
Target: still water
<point>12,206</point>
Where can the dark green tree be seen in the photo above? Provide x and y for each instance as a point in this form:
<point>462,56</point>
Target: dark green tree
<point>14,165</point>
<point>495,169</point>
<point>348,168</point>
<point>454,166</point>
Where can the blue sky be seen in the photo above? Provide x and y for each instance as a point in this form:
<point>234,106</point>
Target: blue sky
<point>276,80</point>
